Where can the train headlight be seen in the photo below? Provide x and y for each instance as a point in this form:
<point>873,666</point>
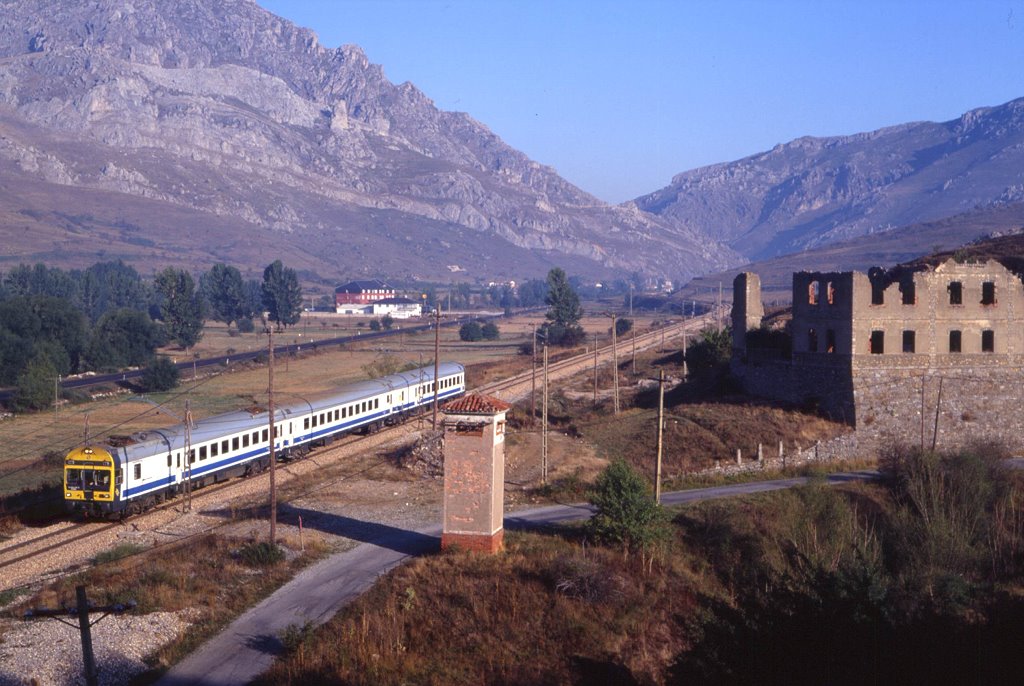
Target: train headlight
<point>68,494</point>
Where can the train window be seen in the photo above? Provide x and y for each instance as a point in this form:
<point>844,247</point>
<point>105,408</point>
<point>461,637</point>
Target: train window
<point>305,423</point>
<point>177,459</point>
<point>168,459</point>
<point>192,456</point>
<point>202,452</point>
<point>245,440</point>
<point>324,418</point>
<point>255,437</point>
<point>315,420</point>
<point>224,446</point>
<point>376,403</point>
<point>234,443</point>
<point>213,449</point>
<point>337,415</point>
<point>266,435</point>
<point>138,470</point>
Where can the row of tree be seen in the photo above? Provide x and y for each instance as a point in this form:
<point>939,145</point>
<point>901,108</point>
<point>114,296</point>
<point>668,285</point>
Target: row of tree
<point>105,318</point>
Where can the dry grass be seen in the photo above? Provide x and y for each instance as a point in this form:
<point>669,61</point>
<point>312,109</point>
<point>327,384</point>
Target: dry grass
<point>466,619</point>
<point>204,574</point>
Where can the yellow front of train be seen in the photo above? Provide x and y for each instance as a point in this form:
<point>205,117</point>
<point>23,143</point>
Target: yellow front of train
<point>89,481</point>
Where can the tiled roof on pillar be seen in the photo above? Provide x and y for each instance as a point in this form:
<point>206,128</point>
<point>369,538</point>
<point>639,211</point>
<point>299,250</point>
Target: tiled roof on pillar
<point>476,403</point>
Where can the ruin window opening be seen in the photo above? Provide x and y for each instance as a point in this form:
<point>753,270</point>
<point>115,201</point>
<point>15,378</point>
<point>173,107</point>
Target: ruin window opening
<point>812,292</point>
<point>988,341</point>
<point>812,341</point>
<point>956,293</point>
<point>955,344</point>
<point>909,341</point>
<point>830,292</point>
<point>909,293</point>
<point>830,341</point>
<point>988,293</point>
<point>876,344</point>
<point>877,293</point>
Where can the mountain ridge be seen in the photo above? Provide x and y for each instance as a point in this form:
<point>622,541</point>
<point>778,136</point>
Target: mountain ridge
<point>230,111</point>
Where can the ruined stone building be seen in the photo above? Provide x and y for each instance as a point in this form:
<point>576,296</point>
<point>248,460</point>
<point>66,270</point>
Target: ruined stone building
<point>929,355</point>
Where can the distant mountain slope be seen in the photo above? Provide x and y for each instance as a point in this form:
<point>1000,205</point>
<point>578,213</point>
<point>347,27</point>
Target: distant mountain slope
<point>1001,227</point>
<point>813,192</point>
<point>242,121</point>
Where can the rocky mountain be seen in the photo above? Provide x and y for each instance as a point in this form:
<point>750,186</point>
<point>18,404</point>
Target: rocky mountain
<point>194,131</point>
<point>813,192</point>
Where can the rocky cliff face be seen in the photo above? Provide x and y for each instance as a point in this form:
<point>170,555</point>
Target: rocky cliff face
<point>242,121</point>
<point>816,191</point>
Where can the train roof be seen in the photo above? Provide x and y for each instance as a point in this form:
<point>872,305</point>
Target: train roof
<point>144,443</point>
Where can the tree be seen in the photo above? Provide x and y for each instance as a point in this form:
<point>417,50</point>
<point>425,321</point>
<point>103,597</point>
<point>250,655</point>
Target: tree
<point>471,331</point>
<point>710,355</point>
<point>623,326</point>
<point>225,292</point>
<point>491,332</point>
<point>565,310</point>
<point>122,338</point>
<point>532,293</point>
<point>387,321</point>
<point>374,325</point>
<point>107,286</point>
<point>180,307</point>
<point>35,386</point>
<point>626,512</point>
<point>159,375</point>
<point>282,295</point>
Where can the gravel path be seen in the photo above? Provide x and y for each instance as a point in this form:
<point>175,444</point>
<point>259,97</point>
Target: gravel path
<point>46,652</point>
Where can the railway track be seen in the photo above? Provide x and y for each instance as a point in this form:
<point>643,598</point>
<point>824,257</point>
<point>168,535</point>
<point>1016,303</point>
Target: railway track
<point>38,556</point>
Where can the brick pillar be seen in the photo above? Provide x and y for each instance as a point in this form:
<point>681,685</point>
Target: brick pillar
<point>474,473</point>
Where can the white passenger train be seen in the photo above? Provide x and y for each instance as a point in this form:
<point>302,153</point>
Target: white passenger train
<point>126,476</point>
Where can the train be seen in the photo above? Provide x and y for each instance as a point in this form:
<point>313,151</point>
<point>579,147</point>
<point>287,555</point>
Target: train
<point>128,474</point>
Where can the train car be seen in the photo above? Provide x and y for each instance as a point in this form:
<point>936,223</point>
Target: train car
<point>128,474</point>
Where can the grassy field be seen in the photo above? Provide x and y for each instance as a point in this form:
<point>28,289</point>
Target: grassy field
<point>36,442</point>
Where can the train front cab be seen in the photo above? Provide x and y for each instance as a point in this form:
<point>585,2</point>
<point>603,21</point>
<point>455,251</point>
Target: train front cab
<point>90,481</point>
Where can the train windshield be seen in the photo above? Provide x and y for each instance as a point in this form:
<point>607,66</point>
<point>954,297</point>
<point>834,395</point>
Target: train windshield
<point>88,478</point>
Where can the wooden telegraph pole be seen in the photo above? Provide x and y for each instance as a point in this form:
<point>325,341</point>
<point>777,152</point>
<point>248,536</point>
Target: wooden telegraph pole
<point>186,506</point>
<point>595,370</point>
<point>661,428</point>
<point>273,453</point>
<point>615,365</point>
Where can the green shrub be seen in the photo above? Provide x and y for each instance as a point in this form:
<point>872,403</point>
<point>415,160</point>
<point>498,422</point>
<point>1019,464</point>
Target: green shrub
<point>261,554</point>
<point>159,375</point>
<point>118,552</point>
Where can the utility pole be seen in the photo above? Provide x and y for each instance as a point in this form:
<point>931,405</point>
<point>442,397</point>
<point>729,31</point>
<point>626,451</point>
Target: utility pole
<point>186,506</point>
<point>718,315</point>
<point>615,365</point>
<point>630,299</point>
<point>686,372</point>
<point>533,381</point>
<point>437,354</point>
<point>661,427</point>
<point>56,397</point>
<point>544,423</point>
<point>273,436</point>
<point>82,610</point>
<point>634,350</point>
<point>595,370</point>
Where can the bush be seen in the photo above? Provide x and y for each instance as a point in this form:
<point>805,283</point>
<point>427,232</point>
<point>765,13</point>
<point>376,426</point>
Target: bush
<point>387,321</point>
<point>261,554</point>
<point>626,512</point>
<point>623,326</point>
<point>375,325</point>
<point>491,332</point>
<point>35,385</point>
<point>245,325</point>
<point>118,552</point>
<point>159,375</point>
<point>471,331</point>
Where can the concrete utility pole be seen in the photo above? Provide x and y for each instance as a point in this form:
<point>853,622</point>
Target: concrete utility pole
<point>437,355</point>
<point>718,314</point>
<point>686,372</point>
<point>634,350</point>
<point>82,610</point>
<point>661,428</point>
<point>544,423</point>
<point>271,428</point>
<point>595,370</point>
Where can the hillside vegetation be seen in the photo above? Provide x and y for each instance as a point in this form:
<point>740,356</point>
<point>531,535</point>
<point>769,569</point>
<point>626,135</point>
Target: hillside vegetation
<point>914,580</point>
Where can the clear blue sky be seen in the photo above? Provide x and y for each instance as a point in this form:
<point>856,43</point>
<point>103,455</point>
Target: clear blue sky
<point>619,96</point>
